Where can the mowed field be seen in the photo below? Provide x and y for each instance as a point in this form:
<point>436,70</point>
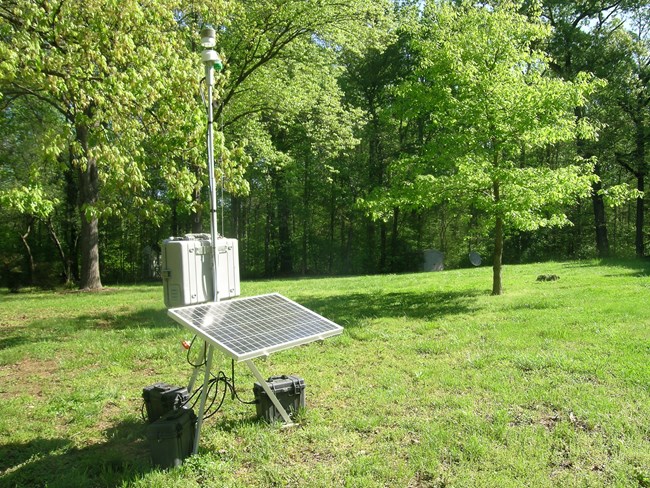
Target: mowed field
<point>433,383</point>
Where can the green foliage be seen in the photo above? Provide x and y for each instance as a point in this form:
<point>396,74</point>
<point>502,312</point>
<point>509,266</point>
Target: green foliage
<point>29,200</point>
<point>328,113</point>
<point>483,87</point>
<point>490,102</point>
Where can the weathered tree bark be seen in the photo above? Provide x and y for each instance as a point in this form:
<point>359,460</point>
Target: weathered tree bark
<point>382,247</point>
<point>88,197</point>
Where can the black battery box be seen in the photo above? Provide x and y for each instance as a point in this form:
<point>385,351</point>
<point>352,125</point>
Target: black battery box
<point>161,398</point>
<point>171,438</point>
<point>290,391</point>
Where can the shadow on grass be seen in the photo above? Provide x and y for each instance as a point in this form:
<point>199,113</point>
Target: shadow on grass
<point>636,267</point>
<point>351,309</point>
<point>12,341</point>
<point>54,463</point>
<point>150,318</point>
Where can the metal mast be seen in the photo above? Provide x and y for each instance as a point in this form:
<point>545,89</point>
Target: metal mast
<point>212,61</point>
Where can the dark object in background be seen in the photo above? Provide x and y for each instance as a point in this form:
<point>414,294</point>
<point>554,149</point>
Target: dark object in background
<point>161,398</point>
<point>290,391</point>
<point>548,277</point>
<point>171,438</point>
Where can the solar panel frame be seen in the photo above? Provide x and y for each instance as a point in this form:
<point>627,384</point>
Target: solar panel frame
<point>251,327</point>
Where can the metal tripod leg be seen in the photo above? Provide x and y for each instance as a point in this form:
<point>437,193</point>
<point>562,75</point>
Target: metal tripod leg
<point>204,395</point>
<point>271,394</point>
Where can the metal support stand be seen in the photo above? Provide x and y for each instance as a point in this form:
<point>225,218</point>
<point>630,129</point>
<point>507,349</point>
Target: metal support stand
<point>204,396</point>
<point>271,394</point>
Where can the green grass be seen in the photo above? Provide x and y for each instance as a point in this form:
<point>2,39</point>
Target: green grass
<point>433,383</point>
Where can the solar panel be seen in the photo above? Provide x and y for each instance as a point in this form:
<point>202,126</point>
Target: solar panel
<point>247,328</point>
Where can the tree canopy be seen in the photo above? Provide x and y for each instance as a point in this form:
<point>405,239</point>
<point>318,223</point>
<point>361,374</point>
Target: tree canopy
<point>352,135</point>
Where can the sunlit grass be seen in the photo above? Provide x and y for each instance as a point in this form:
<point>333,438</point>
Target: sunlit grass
<point>433,383</point>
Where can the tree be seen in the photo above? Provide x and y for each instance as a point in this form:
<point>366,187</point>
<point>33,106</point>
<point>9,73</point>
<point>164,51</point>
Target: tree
<point>484,85</point>
<point>280,100</point>
<point>30,186</point>
<point>628,73</point>
<point>578,30</point>
<point>110,69</point>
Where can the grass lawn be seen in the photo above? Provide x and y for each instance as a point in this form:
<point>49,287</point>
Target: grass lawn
<point>433,383</point>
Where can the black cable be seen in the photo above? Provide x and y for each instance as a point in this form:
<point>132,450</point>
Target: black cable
<point>189,350</point>
<point>202,92</point>
<point>213,392</point>
<point>216,392</point>
<point>234,389</point>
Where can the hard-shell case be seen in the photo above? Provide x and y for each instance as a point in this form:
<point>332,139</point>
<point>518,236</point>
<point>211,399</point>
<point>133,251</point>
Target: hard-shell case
<point>161,398</point>
<point>290,391</point>
<point>171,438</point>
<point>187,269</point>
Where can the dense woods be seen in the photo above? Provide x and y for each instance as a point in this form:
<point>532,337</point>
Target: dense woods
<point>353,135</point>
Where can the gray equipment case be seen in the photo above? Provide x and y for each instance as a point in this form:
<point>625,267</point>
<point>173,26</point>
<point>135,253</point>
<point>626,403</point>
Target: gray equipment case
<point>187,269</point>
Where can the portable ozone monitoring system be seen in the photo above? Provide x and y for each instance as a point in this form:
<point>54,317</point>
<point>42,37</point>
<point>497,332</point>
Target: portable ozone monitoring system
<point>242,328</point>
<point>200,282</point>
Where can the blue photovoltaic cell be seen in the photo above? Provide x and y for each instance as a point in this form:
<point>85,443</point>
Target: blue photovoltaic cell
<point>251,327</point>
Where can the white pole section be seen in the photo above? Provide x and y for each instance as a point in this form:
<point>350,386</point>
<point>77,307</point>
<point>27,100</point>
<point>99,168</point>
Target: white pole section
<point>210,58</point>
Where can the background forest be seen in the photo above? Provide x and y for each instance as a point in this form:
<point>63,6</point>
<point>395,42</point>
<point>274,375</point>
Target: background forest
<point>353,134</point>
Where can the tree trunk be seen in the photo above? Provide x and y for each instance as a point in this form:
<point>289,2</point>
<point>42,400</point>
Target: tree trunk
<point>602,242</point>
<point>395,240</point>
<point>330,256</point>
<point>600,222</point>
<point>640,216</point>
<point>369,266</point>
<point>382,247</point>
<point>306,198</point>
<point>284,221</point>
<point>89,195</point>
<point>197,216</point>
<point>71,207</point>
<point>67,272</point>
<point>498,247</point>
<point>31,267</point>
<point>639,156</point>
<point>267,240</point>
<point>235,205</point>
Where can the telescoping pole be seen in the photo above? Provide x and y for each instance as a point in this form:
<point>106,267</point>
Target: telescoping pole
<point>210,58</point>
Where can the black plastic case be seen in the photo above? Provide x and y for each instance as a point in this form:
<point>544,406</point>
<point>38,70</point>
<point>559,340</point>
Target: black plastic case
<point>290,391</point>
<point>171,438</point>
<point>161,398</point>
